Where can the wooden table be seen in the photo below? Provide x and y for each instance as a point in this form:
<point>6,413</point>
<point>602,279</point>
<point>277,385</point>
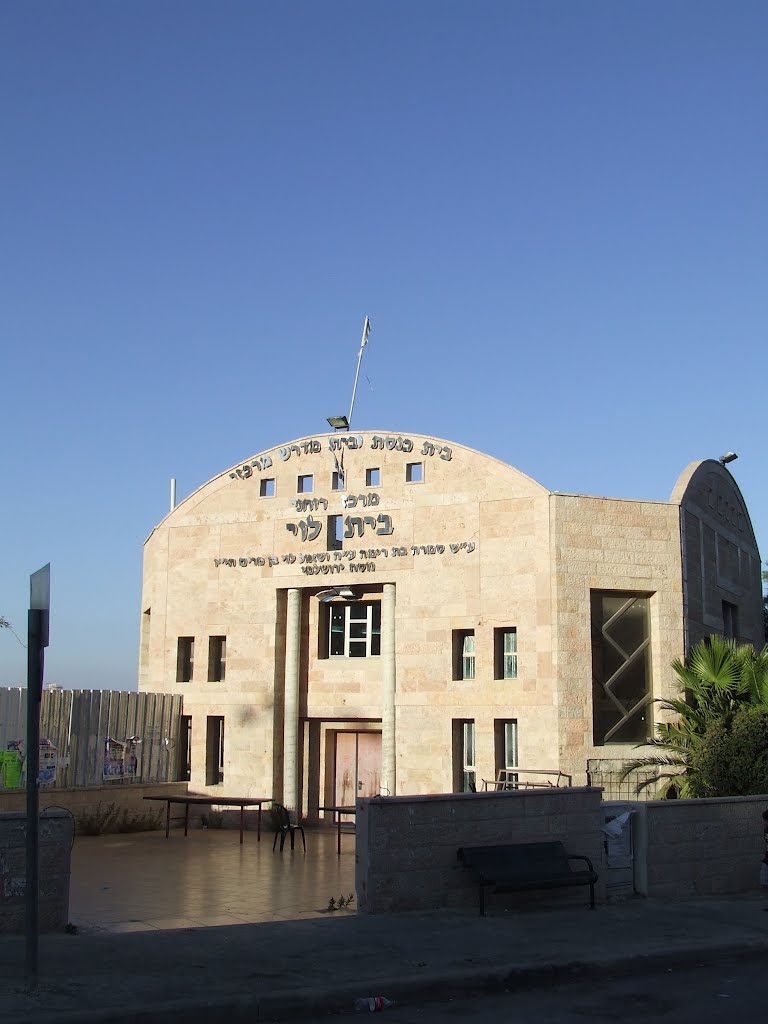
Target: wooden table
<point>219,801</point>
<point>337,811</point>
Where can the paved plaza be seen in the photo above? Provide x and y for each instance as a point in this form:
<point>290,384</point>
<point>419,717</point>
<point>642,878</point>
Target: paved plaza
<point>143,881</point>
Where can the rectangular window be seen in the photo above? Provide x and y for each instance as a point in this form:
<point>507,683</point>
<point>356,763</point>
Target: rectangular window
<point>463,654</point>
<point>730,620</point>
<point>464,773</point>
<point>335,533</point>
<point>414,472</point>
<point>305,484</point>
<point>505,750</point>
<point>354,629</point>
<point>372,477</point>
<point>185,659</point>
<point>214,750</point>
<point>267,487</point>
<point>217,658</point>
<point>337,480</point>
<point>505,652</point>
<point>621,667</point>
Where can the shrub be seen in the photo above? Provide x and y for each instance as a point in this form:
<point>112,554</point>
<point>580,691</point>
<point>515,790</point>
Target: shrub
<point>112,818</point>
<point>732,758</point>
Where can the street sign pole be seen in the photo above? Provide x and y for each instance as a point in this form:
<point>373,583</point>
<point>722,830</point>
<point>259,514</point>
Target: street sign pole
<point>37,641</point>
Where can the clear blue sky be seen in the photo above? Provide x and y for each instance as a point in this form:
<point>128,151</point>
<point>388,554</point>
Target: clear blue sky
<point>555,213</point>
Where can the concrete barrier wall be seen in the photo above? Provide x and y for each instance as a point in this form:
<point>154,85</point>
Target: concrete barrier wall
<point>55,848</point>
<point>406,846</point>
<point>698,847</point>
<point>93,801</point>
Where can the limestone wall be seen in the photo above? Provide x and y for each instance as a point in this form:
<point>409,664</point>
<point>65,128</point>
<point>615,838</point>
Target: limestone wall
<point>55,847</point>
<point>698,847</point>
<point>406,846</point>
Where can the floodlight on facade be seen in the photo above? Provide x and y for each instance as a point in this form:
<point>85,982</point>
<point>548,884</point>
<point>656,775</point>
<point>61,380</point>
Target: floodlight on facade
<point>339,422</point>
<point>728,457</point>
<point>326,596</point>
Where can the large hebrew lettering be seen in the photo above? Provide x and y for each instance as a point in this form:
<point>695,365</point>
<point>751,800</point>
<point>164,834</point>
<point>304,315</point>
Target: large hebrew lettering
<point>350,523</point>
<point>381,525</point>
<point>310,528</point>
<point>385,528</point>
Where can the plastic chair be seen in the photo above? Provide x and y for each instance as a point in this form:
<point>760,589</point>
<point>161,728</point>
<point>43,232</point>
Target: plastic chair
<point>285,827</point>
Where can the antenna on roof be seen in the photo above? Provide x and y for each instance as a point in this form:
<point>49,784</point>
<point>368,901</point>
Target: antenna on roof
<point>363,343</point>
<point>345,422</point>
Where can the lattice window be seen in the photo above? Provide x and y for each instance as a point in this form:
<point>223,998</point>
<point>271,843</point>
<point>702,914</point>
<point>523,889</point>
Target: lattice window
<point>621,667</point>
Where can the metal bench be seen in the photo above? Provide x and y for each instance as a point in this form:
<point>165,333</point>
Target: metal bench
<point>521,866</point>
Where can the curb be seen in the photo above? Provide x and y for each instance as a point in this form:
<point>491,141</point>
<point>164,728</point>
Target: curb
<point>434,987</point>
<point>489,980</point>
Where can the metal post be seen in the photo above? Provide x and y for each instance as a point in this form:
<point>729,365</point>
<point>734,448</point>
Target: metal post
<point>38,624</point>
<point>34,688</point>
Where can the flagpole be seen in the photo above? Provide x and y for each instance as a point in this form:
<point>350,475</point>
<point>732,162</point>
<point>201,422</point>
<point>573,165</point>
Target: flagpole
<point>363,343</point>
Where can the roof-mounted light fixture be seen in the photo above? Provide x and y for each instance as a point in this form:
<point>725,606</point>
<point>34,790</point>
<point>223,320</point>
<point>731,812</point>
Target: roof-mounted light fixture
<point>728,457</point>
<point>339,422</point>
<point>326,596</point>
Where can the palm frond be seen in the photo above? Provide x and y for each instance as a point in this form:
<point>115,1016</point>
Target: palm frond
<point>651,761</point>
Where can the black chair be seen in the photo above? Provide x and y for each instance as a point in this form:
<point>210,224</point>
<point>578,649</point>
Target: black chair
<point>284,827</point>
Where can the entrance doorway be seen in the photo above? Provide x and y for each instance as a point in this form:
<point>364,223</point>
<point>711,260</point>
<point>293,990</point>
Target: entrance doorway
<point>357,766</point>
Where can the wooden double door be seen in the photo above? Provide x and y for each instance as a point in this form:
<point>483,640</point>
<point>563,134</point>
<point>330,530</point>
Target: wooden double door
<point>357,766</point>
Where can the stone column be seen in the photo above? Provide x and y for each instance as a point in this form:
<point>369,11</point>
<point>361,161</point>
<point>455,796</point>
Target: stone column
<point>291,707</point>
<point>388,743</point>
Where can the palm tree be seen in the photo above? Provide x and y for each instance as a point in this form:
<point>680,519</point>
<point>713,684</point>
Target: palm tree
<point>718,676</point>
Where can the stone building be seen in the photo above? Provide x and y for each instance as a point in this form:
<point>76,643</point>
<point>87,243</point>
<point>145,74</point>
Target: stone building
<point>361,613</point>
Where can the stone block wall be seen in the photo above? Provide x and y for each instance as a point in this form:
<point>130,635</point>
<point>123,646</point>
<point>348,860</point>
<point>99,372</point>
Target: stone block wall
<point>698,847</point>
<point>406,857</point>
<point>55,847</point>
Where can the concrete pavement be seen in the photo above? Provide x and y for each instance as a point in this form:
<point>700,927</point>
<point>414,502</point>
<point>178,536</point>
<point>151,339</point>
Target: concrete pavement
<point>292,957</point>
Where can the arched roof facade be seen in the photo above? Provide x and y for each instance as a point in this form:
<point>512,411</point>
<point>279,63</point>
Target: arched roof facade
<point>721,562</point>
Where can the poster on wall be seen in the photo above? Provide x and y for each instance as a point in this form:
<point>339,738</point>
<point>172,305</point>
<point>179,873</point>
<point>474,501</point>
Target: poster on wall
<point>121,760</point>
<point>131,757</point>
<point>49,763</point>
<point>12,766</point>
<point>12,769</point>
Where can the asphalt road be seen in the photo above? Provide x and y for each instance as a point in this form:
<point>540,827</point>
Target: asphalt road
<point>712,991</point>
